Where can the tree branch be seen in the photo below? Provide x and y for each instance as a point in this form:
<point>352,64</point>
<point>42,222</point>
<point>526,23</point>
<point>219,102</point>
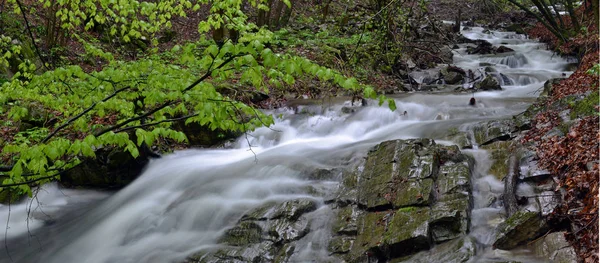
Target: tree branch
<point>539,19</point>
<point>154,123</point>
<point>37,50</point>
<point>168,103</point>
<point>74,118</point>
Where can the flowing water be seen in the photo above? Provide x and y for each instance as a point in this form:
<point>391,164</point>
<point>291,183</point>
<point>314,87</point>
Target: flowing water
<point>184,202</point>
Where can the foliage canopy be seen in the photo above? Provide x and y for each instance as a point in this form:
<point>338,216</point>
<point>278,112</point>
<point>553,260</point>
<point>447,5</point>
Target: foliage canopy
<point>131,104</point>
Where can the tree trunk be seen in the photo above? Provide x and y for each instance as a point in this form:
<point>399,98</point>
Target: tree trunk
<point>574,21</point>
<point>275,21</point>
<point>510,186</point>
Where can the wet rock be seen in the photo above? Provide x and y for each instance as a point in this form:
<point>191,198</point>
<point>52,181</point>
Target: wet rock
<point>340,245</point>
<point>453,75</point>
<point>461,139</point>
<point>488,83</point>
<point>530,170</point>
<point>455,251</point>
<point>112,168</point>
<point>259,253</point>
<point>520,228</point>
<point>290,210</point>
<point>453,178</point>
<point>345,221</point>
<point>243,234</point>
<point>262,233</point>
<point>504,49</point>
<point>449,219</point>
<point>348,193</point>
<point>393,234</point>
<point>491,131</point>
<point>284,231</point>
<point>323,174</point>
<point>555,248</point>
<point>483,47</point>
<point>411,194</point>
<point>499,154</point>
<point>396,174</point>
<point>490,69</point>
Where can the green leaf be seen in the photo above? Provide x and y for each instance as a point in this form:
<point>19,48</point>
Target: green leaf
<point>392,104</point>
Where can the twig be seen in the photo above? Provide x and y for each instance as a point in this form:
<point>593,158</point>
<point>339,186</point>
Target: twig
<point>154,123</point>
<point>6,230</point>
<point>81,114</point>
<point>37,50</point>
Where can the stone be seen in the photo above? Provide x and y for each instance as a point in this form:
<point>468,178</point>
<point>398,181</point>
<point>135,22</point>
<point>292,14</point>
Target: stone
<point>491,131</point>
<point>259,252</point>
<point>504,49</point>
<point>284,231</point>
<point>453,75</point>
<point>483,48</point>
<point>340,245</point>
<point>453,78</point>
<point>290,210</point>
<point>454,178</point>
<point>112,168</point>
<point>488,83</point>
<point>396,173</point>
<point>242,234</point>
<point>393,233</point>
<point>455,251</point>
<point>554,247</point>
<point>499,153</point>
<point>345,221</point>
<point>519,229</point>
<point>408,231</point>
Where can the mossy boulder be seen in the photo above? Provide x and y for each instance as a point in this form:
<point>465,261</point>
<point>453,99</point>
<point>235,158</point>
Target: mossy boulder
<point>242,234</point>
<point>263,234</point>
<point>340,244</point>
<point>393,233</point>
<point>520,228</point>
<point>411,194</point>
<point>397,174</point>
<point>345,221</point>
<point>499,153</point>
<point>488,83</point>
<point>491,131</point>
<point>290,210</point>
<point>449,219</point>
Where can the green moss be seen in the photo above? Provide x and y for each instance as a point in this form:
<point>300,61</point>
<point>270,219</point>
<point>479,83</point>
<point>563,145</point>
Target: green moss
<point>407,209</point>
<point>499,153</point>
<point>585,107</point>
<point>453,131</point>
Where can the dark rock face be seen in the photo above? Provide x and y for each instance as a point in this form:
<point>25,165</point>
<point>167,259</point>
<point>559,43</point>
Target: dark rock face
<point>199,135</point>
<point>504,49</point>
<point>110,169</point>
<point>483,47</point>
<point>264,234</point>
<point>411,195</point>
